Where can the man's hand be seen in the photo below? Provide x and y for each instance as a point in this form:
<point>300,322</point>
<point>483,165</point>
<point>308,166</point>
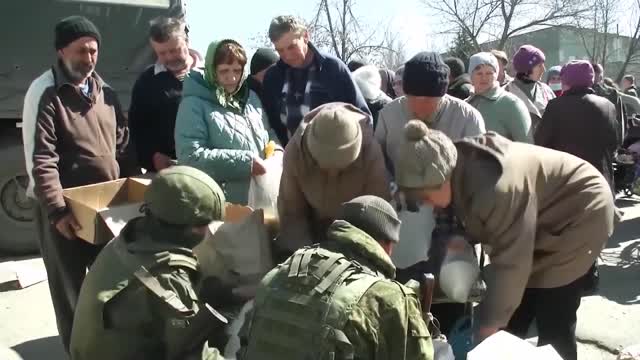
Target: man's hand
<point>67,226</point>
<point>485,332</point>
<point>161,161</point>
<point>258,167</point>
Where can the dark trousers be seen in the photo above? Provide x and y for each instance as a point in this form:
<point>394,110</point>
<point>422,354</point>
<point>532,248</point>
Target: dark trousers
<point>447,314</point>
<point>66,262</point>
<point>554,311</point>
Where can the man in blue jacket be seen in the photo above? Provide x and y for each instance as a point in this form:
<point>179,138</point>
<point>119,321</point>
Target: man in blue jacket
<point>304,78</point>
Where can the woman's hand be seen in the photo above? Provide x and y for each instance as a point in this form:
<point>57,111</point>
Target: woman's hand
<point>258,167</point>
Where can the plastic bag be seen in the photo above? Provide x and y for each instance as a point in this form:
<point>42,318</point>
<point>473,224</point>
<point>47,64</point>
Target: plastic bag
<point>264,189</point>
<point>415,237</point>
<point>239,253</point>
<point>459,271</point>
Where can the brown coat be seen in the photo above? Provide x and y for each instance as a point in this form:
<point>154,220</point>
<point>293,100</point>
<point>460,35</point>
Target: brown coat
<point>309,199</point>
<point>545,216</point>
<point>78,140</point>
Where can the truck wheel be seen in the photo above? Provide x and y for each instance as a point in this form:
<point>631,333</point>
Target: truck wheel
<point>18,235</point>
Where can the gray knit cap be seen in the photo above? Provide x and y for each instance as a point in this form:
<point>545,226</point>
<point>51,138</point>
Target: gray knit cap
<point>333,135</point>
<point>427,157</point>
<point>373,215</point>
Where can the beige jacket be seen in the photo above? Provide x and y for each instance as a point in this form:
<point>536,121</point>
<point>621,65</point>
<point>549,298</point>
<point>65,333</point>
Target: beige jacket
<point>309,199</point>
<point>545,215</point>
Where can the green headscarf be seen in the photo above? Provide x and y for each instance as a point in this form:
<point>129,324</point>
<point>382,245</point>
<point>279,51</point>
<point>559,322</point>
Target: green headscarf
<point>236,100</point>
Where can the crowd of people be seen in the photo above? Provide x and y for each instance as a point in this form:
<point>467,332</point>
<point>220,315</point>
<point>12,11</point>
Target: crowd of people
<point>520,164</point>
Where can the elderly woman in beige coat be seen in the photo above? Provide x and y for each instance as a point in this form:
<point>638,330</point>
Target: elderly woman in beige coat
<point>331,159</point>
<point>544,214</point>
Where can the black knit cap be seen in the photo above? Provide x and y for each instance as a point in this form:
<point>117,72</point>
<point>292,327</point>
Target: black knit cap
<point>373,215</point>
<point>73,28</point>
<point>456,66</point>
<point>262,59</point>
<point>425,75</point>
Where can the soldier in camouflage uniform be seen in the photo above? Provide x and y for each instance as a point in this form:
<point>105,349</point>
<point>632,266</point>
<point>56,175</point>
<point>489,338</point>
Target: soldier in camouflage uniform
<point>138,300</point>
<point>337,300</point>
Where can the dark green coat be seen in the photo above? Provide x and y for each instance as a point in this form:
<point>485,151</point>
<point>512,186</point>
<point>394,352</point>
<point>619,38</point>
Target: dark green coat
<point>117,317</point>
<point>378,317</point>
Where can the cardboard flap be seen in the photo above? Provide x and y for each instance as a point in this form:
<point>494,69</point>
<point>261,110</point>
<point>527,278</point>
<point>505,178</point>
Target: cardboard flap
<point>85,216</point>
<point>234,213</point>
<point>115,218</point>
<point>103,209</point>
<point>96,196</point>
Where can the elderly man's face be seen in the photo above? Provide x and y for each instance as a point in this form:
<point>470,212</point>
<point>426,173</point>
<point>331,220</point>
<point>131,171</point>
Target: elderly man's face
<point>423,107</point>
<point>80,58</point>
<point>173,53</point>
<point>293,48</point>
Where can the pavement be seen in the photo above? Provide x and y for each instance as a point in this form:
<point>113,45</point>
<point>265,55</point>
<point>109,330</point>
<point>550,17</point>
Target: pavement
<point>607,321</point>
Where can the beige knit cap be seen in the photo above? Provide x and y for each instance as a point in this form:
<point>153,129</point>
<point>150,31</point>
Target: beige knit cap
<point>334,134</point>
<point>427,157</point>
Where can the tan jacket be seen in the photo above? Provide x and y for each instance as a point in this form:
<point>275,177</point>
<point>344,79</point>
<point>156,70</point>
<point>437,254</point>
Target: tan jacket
<point>545,215</point>
<point>309,199</point>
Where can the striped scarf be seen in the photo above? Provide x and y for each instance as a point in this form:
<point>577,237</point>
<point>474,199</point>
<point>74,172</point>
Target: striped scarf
<point>296,107</point>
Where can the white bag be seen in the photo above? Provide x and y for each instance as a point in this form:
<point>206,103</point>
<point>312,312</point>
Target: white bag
<point>236,253</point>
<point>415,237</point>
<point>459,271</point>
<point>264,189</point>
<point>504,346</point>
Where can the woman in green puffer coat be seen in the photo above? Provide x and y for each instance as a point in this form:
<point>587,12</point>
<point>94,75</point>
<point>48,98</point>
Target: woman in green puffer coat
<point>221,126</point>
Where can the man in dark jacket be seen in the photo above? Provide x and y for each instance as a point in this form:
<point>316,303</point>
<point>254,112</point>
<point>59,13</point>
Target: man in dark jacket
<point>459,81</point>
<point>157,94</point>
<point>304,78</point>
<point>263,59</point>
<point>629,85</point>
<point>613,96</point>
<point>580,122</point>
<point>74,134</point>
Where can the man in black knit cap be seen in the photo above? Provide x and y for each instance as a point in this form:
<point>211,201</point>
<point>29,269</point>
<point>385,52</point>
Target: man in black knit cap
<point>74,134</point>
<point>262,61</point>
<point>459,81</point>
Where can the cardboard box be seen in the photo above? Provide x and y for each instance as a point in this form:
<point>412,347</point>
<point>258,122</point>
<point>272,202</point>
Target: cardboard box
<point>103,209</point>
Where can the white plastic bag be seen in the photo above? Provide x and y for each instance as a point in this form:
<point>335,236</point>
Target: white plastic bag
<point>459,271</point>
<point>264,189</point>
<point>239,253</point>
<point>415,237</point>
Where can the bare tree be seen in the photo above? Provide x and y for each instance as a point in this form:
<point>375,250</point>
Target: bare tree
<point>335,27</point>
<point>633,48</point>
<point>393,55</point>
<point>594,29</point>
<point>501,19</point>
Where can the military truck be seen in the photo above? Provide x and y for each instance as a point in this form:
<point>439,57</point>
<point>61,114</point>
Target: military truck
<point>26,28</point>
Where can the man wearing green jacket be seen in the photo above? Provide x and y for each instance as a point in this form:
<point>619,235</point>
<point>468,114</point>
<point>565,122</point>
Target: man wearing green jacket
<point>338,300</point>
<point>138,300</point>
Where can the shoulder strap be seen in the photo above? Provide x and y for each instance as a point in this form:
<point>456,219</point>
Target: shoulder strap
<point>169,297</point>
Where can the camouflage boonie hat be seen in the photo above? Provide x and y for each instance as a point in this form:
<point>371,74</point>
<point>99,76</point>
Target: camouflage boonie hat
<point>182,195</point>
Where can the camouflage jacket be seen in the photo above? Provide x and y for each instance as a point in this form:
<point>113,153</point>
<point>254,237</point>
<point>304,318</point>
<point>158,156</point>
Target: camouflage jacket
<point>138,300</point>
<point>385,323</point>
